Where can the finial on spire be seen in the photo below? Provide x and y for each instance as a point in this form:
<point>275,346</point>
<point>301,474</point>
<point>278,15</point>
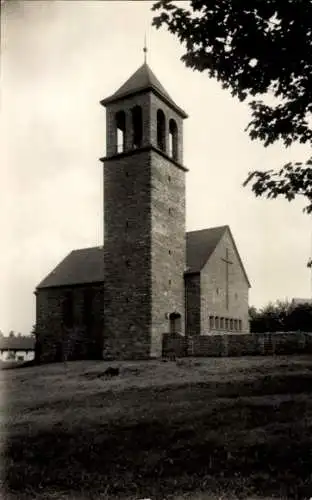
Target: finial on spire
<point>145,49</point>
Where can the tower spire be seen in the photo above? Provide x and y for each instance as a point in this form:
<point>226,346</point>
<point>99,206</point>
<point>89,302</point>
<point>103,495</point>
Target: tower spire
<point>145,49</point>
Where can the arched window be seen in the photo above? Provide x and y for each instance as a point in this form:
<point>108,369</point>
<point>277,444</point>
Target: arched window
<point>175,322</point>
<point>161,130</point>
<point>121,131</point>
<point>173,139</point>
<point>222,323</point>
<point>137,126</point>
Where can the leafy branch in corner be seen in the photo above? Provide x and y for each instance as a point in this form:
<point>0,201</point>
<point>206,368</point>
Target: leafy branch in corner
<point>291,181</point>
<point>256,49</point>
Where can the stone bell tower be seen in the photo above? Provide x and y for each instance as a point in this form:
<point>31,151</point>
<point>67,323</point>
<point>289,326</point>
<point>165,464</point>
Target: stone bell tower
<point>144,218</point>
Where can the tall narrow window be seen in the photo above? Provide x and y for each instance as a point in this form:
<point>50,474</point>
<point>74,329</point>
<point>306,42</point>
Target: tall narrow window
<point>173,139</point>
<point>68,310</point>
<point>211,322</point>
<point>161,130</point>
<point>121,131</point>
<point>137,126</point>
<point>217,324</point>
<point>88,307</point>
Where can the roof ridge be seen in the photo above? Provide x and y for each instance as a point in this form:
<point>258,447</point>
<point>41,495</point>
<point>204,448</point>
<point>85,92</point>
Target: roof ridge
<point>225,226</point>
<point>99,247</point>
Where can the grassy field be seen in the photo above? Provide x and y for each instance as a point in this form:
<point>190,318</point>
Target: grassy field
<point>192,429</point>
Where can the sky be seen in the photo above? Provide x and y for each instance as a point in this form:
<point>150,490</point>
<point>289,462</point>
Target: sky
<point>58,60</point>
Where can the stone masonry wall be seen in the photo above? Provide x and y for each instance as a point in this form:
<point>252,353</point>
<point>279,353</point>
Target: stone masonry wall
<point>213,288</point>
<point>236,345</point>
<point>127,254</point>
<point>168,227</point>
<point>168,246</point>
<point>144,233</point>
<point>58,341</point>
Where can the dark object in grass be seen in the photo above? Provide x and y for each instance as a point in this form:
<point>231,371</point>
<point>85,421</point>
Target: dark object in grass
<point>111,372</point>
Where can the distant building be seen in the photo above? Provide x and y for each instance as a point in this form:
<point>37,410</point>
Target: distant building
<point>300,302</point>
<point>151,277</point>
<point>17,348</point>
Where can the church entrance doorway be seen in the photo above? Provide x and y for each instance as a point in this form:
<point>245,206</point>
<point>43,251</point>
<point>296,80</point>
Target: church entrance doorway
<point>175,322</point>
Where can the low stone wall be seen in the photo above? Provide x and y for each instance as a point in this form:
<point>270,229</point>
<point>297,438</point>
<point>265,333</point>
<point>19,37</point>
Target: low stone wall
<point>230,345</point>
<point>212,344</point>
<point>174,345</point>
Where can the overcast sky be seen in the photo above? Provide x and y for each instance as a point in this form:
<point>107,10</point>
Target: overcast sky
<point>59,58</point>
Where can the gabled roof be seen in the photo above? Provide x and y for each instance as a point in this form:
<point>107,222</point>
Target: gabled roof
<point>143,79</point>
<point>17,343</point>
<point>81,266</point>
<point>200,245</point>
<point>86,265</point>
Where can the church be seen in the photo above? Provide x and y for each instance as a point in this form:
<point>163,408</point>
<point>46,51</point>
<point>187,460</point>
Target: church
<point>150,277</point>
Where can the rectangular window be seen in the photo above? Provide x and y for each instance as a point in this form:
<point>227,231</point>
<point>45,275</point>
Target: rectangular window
<point>240,325</point>
<point>211,322</point>
<point>217,323</point>
<point>222,323</point>
<point>226,323</point>
<point>68,310</point>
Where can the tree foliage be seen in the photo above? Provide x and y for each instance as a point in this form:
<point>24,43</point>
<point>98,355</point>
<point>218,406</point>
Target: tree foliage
<point>256,49</point>
<point>281,316</point>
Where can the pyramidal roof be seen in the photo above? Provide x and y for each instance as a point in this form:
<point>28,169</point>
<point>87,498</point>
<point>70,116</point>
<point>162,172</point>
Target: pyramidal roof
<point>143,79</point>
